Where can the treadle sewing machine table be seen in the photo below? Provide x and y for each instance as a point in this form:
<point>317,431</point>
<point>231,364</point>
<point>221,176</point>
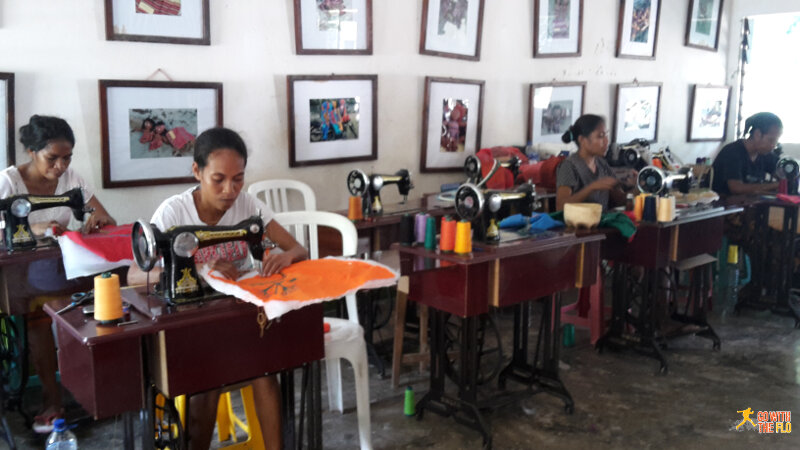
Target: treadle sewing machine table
<point>184,350</point>
<point>654,247</point>
<point>508,274</point>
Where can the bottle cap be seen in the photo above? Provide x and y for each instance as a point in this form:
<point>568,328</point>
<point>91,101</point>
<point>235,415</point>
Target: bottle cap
<point>59,425</point>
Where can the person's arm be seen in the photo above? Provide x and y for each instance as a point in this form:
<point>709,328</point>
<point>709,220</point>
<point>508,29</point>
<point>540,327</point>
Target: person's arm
<point>564,194</point>
<point>292,250</point>
<point>99,218</point>
<point>739,187</point>
<point>138,277</point>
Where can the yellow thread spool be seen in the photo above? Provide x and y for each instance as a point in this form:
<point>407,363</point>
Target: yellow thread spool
<point>638,206</point>
<point>733,254</point>
<point>107,298</point>
<point>463,237</point>
<point>666,209</point>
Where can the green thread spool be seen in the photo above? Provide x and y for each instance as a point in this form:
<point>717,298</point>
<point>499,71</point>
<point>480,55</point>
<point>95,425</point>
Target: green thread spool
<point>568,338</point>
<point>409,407</point>
<point>430,233</point>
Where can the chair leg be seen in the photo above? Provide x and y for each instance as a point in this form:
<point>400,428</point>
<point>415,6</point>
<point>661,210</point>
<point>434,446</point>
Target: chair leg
<point>423,335</point>
<point>399,330</point>
<point>224,431</point>
<point>333,371</point>
<point>361,369</point>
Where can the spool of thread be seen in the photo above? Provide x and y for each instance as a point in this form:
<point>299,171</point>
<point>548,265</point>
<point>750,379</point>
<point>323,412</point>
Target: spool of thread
<point>419,227</point>
<point>430,233</point>
<point>733,254</point>
<point>463,237</point>
<point>666,209</point>
<point>649,210</point>
<point>107,298</point>
<point>407,229</point>
<point>638,206</point>
<point>447,234</point>
<point>354,211</point>
<point>569,335</point>
<point>409,408</point>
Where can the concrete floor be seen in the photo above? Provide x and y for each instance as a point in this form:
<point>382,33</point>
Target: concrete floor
<point>620,401</point>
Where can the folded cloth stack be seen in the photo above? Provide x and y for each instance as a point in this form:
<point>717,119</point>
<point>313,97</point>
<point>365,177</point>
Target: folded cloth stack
<point>538,222</point>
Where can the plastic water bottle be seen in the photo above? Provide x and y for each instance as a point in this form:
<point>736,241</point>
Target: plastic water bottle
<point>61,438</point>
<point>730,295</point>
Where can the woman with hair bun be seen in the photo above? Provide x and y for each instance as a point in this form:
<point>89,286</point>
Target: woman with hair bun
<point>585,176</point>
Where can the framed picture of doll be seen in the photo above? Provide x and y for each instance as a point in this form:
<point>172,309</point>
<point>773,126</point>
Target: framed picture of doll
<point>451,123</point>
<point>452,28</point>
<point>637,30</point>
<point>636,112</point>
<point>332,119</point>
<point>552,108</point>
<point>557,28</point>
<point>166,21</point>
<point>7,152</point>
<point>702,24</point>
<point>149,128</point>
<point>333,27</point>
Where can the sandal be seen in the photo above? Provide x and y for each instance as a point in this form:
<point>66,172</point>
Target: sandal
<point>43,424</point>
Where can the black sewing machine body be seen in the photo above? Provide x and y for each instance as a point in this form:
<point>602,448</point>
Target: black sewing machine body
<point>15,210</point>
<point>486,208</point>
<point>474,173</point>
<point>369,188</point>
<point>634,154</point>
<point>653,180</point>
<point>179,282</point>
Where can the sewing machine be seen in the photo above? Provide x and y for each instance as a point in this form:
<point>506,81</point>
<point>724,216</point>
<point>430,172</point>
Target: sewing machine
<point>14,212</point>
<point>633,154</point>
<point>179,281</point>
<point>369,188</point>
<point>789,169</point>
<point>485,208</point>
<point>652,180</point>
<point>473,171</point>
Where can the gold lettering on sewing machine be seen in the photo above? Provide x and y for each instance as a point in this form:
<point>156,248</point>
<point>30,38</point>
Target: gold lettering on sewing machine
<point>209,235</point>
<point>21,235</point>
<point>40,200</point>
<point>187,283</point>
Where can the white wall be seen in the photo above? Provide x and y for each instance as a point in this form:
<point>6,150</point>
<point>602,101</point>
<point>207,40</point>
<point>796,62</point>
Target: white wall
<point>58,52</point>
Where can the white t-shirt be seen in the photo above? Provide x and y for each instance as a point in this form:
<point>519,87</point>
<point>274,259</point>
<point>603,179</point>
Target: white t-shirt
<point>11,184</point>
<point>181,210</point>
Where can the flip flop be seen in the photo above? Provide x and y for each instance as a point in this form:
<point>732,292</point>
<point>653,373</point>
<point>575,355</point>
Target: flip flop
<point>43,424</point>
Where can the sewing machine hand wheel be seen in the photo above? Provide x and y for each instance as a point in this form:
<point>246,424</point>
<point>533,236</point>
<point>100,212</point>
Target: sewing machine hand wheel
<point>143,241</point>
<point>469,201</point>
<point>357,183</point>
<point>13,363</point>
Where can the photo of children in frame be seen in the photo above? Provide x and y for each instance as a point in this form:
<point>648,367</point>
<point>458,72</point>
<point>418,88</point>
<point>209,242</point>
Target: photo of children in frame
<point>333,119</point>
<point>557,117</point>
<point>162,132</point>
<point>332,13</point>
<point>454,125</point>
<point>453,18</point>
<point>160,7</point>
<point>558,22</point>
<point>640,23</point>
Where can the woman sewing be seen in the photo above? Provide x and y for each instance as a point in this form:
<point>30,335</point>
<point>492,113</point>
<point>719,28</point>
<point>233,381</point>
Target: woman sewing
<point>741,166</point>
<point>220,157</point>
<point>49,142</point>
<point>585,176</point>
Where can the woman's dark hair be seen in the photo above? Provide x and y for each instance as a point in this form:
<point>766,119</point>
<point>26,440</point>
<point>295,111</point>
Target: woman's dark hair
<point>40,130</point>
<point>763,122</point>
<point>584,126</point>
<point>217,139</point>
<point>157,124</point>
<point>150,121</point>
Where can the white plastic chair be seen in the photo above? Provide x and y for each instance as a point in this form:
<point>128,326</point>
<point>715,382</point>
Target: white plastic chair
<point>346,337</point>
<point>274,194</point>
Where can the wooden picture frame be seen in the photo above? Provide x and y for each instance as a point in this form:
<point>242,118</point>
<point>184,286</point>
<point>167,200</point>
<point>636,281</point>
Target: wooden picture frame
<point>446,139</point>
<point>7,144</point>
<point>636,112</point>
<point>443,35</point>
<point>703,24</point>
<point>323,31</point>
<point>158,21</point>
<point>637,29</point>
<point>552,108</point>
<point>708,113</point>
<point>332,119</point>
<point>557,28</point>
<point>178,111</point>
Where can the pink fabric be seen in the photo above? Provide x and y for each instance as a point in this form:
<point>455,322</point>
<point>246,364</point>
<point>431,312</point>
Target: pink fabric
<point>789,198</point>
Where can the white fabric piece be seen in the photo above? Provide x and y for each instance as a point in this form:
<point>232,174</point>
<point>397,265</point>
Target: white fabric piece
<point>80,262</point>
<point>11,184</point>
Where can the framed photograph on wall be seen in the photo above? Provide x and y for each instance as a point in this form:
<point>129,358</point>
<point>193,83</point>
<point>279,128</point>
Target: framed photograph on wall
<point>636,112</point>
<point>702,25</point>
<point>709,113</point>
<point>552,108</point>
<point>333,27</point>
<point>558,28</point>
<point>452,28</point>
<point>149,128</point>
<point>332,119</point>
<point>451,123</point>
<point>637,32</point>
<point>166,21</point>
<point>7,152</point>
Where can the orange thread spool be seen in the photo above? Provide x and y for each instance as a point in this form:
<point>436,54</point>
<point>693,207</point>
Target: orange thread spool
<point>354,211</point>
<point>447,237</point>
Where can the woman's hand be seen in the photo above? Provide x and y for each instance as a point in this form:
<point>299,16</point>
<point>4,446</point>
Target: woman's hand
<point>273,263</point>
<point>97,221</point>
<point>40,229</point>
<point>604,184</point>
<point>226,268</point>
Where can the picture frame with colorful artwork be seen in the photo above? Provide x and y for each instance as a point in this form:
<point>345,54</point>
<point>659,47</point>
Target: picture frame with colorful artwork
<point>452,28</point>
<point>333,27</point>
<point>637,30</point>
<point>7,149</point>
<point>636,112</point>
<point>332,119</point>
<point>164,21</point>
<point>708,116</point>
<point>552,108</point>
<point>451,123</point>
<point>558,28</point>
<point>703,24</point>
<point>148,129</point>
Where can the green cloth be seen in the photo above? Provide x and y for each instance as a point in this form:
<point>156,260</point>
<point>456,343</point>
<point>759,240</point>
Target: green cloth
<point>614,219</point>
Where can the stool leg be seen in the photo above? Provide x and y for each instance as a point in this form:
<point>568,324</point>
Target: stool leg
<point>333,371</point>
<point>399,330</point>
<point>423,335</point>
<point>597,324</point>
